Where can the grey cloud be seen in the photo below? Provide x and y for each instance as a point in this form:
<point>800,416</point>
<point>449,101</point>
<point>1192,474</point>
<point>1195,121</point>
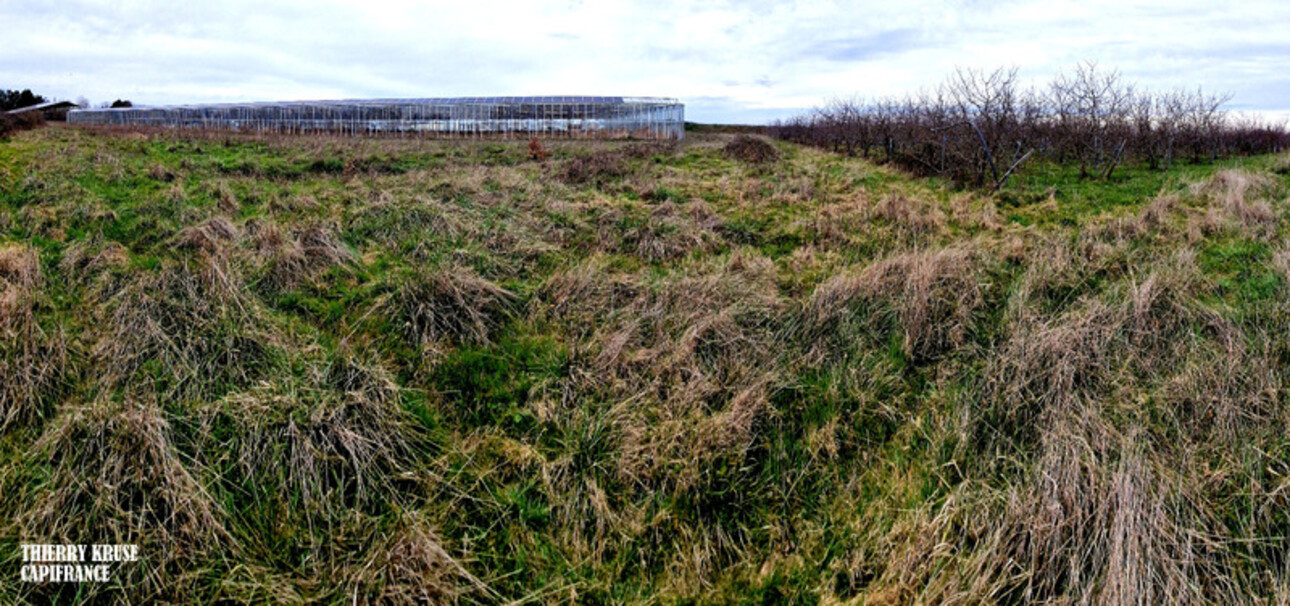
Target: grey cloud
<point>732,61</point>
<point>866,46</point>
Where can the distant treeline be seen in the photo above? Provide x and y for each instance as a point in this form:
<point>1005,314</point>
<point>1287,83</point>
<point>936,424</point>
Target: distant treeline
<point>12,99</point>
<point>977,127</point>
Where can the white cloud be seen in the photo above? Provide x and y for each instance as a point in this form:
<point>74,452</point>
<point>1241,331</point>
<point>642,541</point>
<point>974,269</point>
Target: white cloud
<point>731,61</point>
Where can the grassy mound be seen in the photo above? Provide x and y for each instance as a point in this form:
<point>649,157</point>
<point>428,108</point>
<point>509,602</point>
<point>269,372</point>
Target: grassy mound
<point>752,150</point>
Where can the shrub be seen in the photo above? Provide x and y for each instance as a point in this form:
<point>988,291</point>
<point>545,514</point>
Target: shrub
<point>13,123</point>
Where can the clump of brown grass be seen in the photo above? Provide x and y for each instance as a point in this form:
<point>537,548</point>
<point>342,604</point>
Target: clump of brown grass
<point>289,259</point>
<point>694,361</point>
<point>32,359</point>
<point>646,149</point>
<point>116,478</point>
<point>1156,214</point>
<point>451,305</point>
<point>841,223</point>
<point>1281,262</point>
<point>44,219</point>
<point>159,172</point>
<point>1229,193</point>
<point>86,258</point>
<point>194,319</point>
<point>212,236</point>
<point>930,297</point>
<point>332,439</point>
<point>670,231</point>
<point>584,296</point>
<point>1281,165</point>
<point>752,150</point>
<point>99,267</point>
<point>1051,362</point>
<point>597,168</point>
<point>389,222</point>
<point>913,216</point>
<point>176,194</point>
<point>1103,518</point>
<point>975,211</point>
<point>1107,514</point>
<point>225,199</point>
<point>410,566</point>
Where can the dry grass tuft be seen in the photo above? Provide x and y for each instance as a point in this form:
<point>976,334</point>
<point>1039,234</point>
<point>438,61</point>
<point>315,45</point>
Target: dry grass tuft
<point>116,478</point>
<point>1053,362</point>
<point>194,322</point>
<point>411,567</point>
<point>175,195</point>
<point>86,259</point>
<point>646,149</point>
<point>914,216</point>
<point>671,231</point>
<point>1104,518</point>
<point>1230,194</point>
<point>333,439</point>
<point>696,360</point>
<point>159,172</point>
<point>20,272</point>
<point>583,296</point>
<point>225,199</point>
<point>451,305</point>
<point>1281,165</point>
<point>597,168</point>
<point>289,260</point>
<point>1281,263</point>
<point>1156,214</point>
<point>211,237</point>
<point>731,429</point>
<point>32,360</point>
<point>391,222</point>
<point>752,150</point>
<point>321,245</point>
<point>1107,515</point>
<point>929,296</point>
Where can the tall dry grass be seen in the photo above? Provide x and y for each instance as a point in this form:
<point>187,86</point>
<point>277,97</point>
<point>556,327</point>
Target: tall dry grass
<point>33,358</point>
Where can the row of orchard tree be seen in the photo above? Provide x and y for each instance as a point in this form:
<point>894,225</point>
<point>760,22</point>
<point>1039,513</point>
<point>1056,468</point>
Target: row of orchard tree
<point>978,127</point>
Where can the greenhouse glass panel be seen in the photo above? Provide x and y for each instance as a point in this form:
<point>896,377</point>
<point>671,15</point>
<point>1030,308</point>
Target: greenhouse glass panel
<point>573,117</point>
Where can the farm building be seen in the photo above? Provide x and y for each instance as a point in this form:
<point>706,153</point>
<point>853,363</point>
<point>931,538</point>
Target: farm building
<point>53,110</point>
<point>502,117</point>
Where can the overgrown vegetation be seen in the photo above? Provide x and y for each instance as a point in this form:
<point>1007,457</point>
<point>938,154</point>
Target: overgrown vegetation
<point>726,371</point>
<point>978,127</point>
<point>12,123</point>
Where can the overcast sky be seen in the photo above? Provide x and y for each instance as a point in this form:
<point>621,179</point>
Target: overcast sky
<point>743,62</point>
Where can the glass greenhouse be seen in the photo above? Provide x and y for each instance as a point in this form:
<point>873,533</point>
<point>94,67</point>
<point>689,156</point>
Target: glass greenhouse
<point>504,117</point>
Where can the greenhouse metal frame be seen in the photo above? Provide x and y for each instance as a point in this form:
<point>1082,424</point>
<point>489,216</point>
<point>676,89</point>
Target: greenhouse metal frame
<point>471,117</point>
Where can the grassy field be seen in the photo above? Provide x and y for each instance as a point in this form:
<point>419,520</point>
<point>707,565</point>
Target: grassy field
<point>356,371</point>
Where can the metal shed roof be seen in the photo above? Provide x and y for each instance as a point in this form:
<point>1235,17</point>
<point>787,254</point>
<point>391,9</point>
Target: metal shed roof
<point>42,106</point>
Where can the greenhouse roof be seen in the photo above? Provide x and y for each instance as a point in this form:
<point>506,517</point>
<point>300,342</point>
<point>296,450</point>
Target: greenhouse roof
<point>424,101</point>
